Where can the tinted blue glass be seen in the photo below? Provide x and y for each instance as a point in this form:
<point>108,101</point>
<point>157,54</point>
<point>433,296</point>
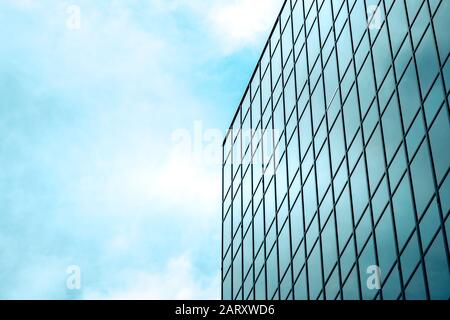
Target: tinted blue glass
<point>345,131</point>
<point>285,253</point>
<point>272,273</point>
<point>436,267</point>
<point>330,247</point>
<point>350,290</point>
<point>366,260</point>
<point>237,273</point>
<point>315,278</point>
<point>226,288</point>
<point>441,154</point>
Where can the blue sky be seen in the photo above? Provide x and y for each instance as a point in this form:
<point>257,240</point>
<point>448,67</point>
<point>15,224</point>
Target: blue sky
<point>92,119</point>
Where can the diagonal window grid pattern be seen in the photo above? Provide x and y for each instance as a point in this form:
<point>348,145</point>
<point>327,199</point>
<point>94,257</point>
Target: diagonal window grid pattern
<point>336,157</point>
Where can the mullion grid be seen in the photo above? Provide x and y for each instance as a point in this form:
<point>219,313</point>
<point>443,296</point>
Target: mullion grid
<point>328,148</point>
<point>441,66</point>
<point>252,291</point>
<point>350,89</point>
<point>368,53</point>
<point>241,290</point>
<point>428,143</point>
<point>430,154</point>
<point>373,131</point>
<point>411,233</point>
<point>316,60</point>
<point>433,238</point>
<point>274,222</point>
<point>324,144</point>
<point>264,267</point>
<point>406,153</point>
<point>339,90</point>
<point>383,212</point>
<point>246,273</point>
<point>272,104</point>
<point>318,80</point>
<point>232,191</point>
<point>277,212</point>
<point>222,278</point>
<point>379,184</point>
<point>229,248</point>
<point>355,244</point>
<point>416,219</point>
<point>322,46</point>
<point>313,145</point>
<point>283,29</point>
<point>388,178</point>
<point>327,126</point>
<point>406,133</point>
<point>372,63</point>
<point>320,231</point>
<point>299,170</point>
<point>250,206</point>
<point>261,182</point>
<point>263,245</point>
<point>375,190</point>
<point>234,251</point>
<point>231,213</point>
<point>289,185</point>
<point>397,84</point>
<point>444,233</point>
<point>267,68</point>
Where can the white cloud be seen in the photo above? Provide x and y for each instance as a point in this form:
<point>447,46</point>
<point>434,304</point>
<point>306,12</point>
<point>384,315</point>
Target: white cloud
<point>183,182</point>
<point>240,23</point>
<point>103,156</point>
<point>233,24</point>
<point>115,166</point>
<point>25,4</point>
<point>130,179</point>
<point>177,282</point>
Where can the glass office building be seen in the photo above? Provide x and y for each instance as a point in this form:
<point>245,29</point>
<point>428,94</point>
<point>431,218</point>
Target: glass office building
<point>336,165</point>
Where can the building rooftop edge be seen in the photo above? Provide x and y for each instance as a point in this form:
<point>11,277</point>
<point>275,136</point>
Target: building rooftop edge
<point>254,72</point>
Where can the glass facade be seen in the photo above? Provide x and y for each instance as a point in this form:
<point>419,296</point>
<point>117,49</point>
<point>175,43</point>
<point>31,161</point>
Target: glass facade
<point>336,165</point>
